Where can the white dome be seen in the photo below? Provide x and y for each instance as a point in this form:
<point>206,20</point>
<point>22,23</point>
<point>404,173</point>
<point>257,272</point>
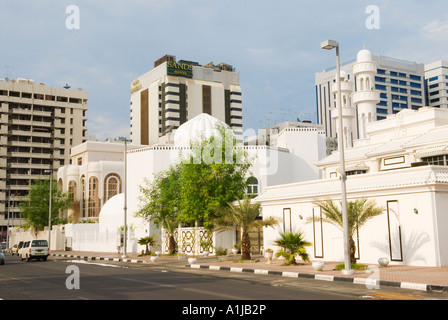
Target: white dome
<point>202,125</point>
<point>112,214</point>
<point>364,56</point>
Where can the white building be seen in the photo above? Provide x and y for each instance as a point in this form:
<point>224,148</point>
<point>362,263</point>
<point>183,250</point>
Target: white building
<point>38,127</point>
<point>176,91</point>
<point>401,85</point>
<point>436,75</point>
<point>288,159</point>
<point>402,164</point>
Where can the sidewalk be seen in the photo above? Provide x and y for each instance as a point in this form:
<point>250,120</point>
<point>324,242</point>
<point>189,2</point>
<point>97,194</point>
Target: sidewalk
<point>428,279</point>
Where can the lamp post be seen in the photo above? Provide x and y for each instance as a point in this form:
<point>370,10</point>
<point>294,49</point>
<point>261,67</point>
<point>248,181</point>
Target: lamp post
<point>125,200</point>
<point>329,45</point>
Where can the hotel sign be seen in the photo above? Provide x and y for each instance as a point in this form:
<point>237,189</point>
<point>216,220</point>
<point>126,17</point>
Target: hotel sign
<point>179,69</point>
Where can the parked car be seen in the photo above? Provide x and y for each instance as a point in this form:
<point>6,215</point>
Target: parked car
<point>15,249</point>
<point>2,257</point>
<point>3,245</point>
<point>35,249</point>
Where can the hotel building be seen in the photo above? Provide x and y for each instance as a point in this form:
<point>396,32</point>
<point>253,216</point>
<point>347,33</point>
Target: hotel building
<point>175,91</point>
<point>401,85</point>
<point>436,75</point>
<point>38,127</point>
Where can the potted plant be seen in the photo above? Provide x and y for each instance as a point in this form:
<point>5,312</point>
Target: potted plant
<point>154,258</point>
<point>383,262</point>
<point>192,260</point>
<point>318,265</point>
<point>236,248</point>
<point>206,245</point>
<point>268,254</point>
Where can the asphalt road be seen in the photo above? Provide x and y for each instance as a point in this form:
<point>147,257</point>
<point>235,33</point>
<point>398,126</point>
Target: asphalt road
<point>65,279</point>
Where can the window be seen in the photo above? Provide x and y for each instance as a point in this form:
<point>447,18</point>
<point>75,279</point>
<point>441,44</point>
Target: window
<point>72,189</point>
<point>287,223</point>
<point>94,205</point>
<point>414,77</point>
<point>415,85</point>
<point>436,160</point>
<point>252,187</point>
<point>207,99</point>
<point>433,79</point>
<point>355,172</point>
<point>112,186</point>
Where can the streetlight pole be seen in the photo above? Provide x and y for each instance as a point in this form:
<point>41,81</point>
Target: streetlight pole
<point>328,45</point>
<point>49,207</point>
<point>125,199</point>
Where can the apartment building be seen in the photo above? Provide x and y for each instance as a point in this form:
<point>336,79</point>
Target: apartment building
<point>401,85</point>
<point>38,127</point>
<point>174,92</point>
<point>436,75</point>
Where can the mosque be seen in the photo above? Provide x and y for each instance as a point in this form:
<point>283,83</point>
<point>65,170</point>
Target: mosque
<point>401,162</point>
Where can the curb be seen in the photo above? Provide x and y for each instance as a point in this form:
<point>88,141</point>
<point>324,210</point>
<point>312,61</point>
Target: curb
<point>365,281</point>
<point>98,258</point>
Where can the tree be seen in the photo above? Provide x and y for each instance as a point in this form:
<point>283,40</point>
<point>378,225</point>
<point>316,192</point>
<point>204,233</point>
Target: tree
<point>147,241</point>
<point>161,199</point>
<point>292,244</point>
<point>212,175</point>
<point>245,214</point>
<point>35,208</point>
<point>358,212</point>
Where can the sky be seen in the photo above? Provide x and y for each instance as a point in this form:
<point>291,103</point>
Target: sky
<point>274,45</point>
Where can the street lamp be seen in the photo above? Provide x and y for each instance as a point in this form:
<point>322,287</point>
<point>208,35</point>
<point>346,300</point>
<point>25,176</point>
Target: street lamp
<point>329,45</point>
<point>125,200</point>
<point>49,205</point>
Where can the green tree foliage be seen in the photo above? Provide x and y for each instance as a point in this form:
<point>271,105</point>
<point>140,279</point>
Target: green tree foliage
<point>213,175</point>
<point>35,208</point>
<point>160,200</point>
<point>292,244</point>
<point>359,212</point>
<point>147,242</point>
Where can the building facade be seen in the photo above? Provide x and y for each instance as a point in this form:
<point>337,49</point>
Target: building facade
<point>402,165</point>
<point>401,85</point>
<point>175,91</point>
<point>38,127</point>
<point>436,75</point>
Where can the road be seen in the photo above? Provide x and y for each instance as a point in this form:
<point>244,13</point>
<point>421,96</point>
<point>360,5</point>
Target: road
<point>65,279</point>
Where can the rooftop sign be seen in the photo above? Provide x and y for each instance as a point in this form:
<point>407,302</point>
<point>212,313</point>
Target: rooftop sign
<point>179,69</point>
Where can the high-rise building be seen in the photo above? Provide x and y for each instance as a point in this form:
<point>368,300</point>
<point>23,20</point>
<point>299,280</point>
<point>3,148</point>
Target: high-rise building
<point>401,85</point>
<point>38,127</point>
<point>436,75</point>
<point>174,92</point>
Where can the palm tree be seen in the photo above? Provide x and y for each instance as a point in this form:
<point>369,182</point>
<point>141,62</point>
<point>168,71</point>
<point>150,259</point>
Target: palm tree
<point>244,214</point>
<point>147,241</point>
<point>358,212</point>
<point>292,244</point>
<point>170,225</point>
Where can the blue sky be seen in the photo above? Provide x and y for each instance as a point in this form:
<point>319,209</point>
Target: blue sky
<point>274,45</point>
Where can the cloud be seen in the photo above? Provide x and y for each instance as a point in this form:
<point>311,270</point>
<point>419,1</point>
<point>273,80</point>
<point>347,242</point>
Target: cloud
<point>436,30</point>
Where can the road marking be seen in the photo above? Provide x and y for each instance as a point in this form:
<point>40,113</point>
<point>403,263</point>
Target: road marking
<point>96,264</point>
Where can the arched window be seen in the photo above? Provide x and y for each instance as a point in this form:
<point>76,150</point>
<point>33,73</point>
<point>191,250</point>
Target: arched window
<point>94,201</point>
<point>368,84</point>
<point>361,80</point>
<point>83,197</point>
<point>60,185</point>
<point>72,189</point>
<point>252,187</point>
<point>112,186</point>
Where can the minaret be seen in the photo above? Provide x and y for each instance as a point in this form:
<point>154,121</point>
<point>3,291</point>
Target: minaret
<point>366,97</point>
<point>348,111</point>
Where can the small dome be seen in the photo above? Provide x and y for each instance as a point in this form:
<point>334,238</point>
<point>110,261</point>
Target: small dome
<point>112,213</point>
<point>364,56</point>
<point>202,125</point>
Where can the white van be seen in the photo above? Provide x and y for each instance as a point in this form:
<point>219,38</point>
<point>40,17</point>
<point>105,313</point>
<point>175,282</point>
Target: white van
<point>35,249</point>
